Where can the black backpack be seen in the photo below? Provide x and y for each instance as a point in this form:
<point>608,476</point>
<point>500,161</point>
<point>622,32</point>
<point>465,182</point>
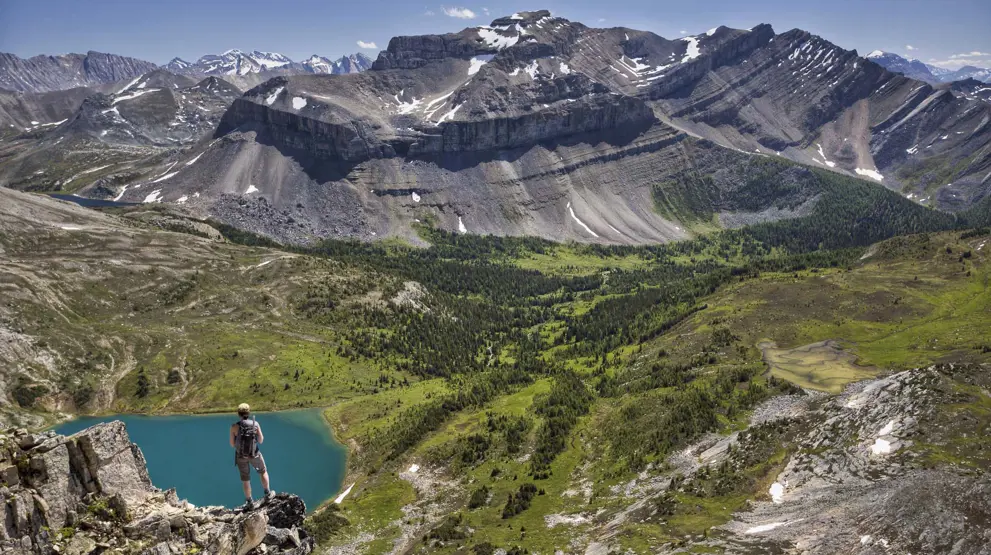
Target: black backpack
<point>247,439</point>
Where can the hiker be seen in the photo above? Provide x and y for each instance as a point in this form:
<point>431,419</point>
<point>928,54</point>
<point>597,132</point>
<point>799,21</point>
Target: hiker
<point>246,436</point>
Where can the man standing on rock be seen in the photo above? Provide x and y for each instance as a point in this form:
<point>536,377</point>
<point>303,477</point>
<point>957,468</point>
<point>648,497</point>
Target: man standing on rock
<point>246,436</point>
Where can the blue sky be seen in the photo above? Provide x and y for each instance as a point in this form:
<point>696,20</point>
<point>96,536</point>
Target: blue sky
<point>950,32</point>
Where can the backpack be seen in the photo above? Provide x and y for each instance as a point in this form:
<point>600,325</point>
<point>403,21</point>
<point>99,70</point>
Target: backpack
<point>246,443</point>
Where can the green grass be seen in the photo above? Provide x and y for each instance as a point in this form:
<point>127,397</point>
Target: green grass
<point>894,310</point>
<point>566,260</point>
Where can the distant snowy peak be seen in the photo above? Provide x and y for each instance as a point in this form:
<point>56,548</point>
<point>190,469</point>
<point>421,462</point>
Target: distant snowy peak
<point>968,72</point>
<point>926,72</point>
<point>238,62</point>
<point>355,63</point>
<point>899,64</point>
<point>270,60</point>
<point>939,71</point>
<point>318,64</point>
<point>178,64</point>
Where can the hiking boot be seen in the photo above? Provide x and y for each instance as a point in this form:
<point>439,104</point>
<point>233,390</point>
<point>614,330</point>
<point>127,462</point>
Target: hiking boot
<point>269,494</point>
<point>249,505</point>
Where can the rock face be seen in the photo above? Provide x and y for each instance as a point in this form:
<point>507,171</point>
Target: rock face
<point>536,125</point>
<point>52,73</point>
<point>90,493</point>
<point>155,109</point>
<point>859,478</point>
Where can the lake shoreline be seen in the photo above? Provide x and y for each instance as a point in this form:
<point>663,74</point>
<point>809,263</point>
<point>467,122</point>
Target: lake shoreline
<point>317,477</point>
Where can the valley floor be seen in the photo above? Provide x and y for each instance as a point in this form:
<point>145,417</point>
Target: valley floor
<point>716,395</point>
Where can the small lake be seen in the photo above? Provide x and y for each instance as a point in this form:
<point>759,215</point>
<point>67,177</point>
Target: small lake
<point>191,453</point>
<point>92,202</point>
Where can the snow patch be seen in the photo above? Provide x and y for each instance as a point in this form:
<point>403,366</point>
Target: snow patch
<point>881,447</point>
<point>132,96</point>
<point>413,468</point>
<point>298,103</point>
<point>251,189</point>
<point>777,492</point>
<point>407,107</point>
<point>532,69</point>
<point>416,197</point>
<point>565,70</point>
<point>131,84</point>
<point>182,199</point>
<point>164,177</point>
<point>581,223</point>
<point>887,428</point>
<point>827,162</point>
<point>339,498</point>
<point>494,39</point>
<point>461,226</point>
<point>449,115</point>
<point>121,194</point>
<point>193,161</point>
<point>477,62</point>
<point>771,526</point>
<point>873,174</point>
<point>692,51</point>
<point>153,197</point>
<point>272,97</point>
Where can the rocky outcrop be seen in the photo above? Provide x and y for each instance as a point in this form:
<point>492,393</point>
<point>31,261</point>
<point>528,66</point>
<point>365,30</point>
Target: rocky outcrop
<point>91,493</point>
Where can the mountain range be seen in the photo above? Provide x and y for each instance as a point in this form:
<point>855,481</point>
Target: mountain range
<point>531,125</point>
<point>96,69</point>
<point>927,72</point>
<point>235,62</point>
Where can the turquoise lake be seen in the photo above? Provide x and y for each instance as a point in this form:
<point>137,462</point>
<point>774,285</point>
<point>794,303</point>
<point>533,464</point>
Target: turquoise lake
<point>191,453</point>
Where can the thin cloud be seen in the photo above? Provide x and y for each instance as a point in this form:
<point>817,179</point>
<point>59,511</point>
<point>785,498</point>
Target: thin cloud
<point>429,13</point>
<point>958,63</point>
<point>974,54</point>
<point>602,20</point>
<point>485,11</point>
<point>368,45</point>
<point>683,32</point>
<point>909,47</point>
<point>460,13</point>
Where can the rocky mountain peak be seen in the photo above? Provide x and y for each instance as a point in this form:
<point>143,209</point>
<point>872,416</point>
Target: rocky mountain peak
<point>90,492</point>
<point>522,18</point>
<point>52,73</point>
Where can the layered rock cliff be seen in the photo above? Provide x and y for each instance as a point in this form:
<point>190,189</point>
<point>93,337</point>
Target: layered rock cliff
<point>91,493</point>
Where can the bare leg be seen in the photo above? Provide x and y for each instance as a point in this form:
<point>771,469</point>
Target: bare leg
<point>246,486</point>
<point>264,477</point>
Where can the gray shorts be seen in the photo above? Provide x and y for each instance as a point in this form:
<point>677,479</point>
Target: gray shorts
<point>244,466</point>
